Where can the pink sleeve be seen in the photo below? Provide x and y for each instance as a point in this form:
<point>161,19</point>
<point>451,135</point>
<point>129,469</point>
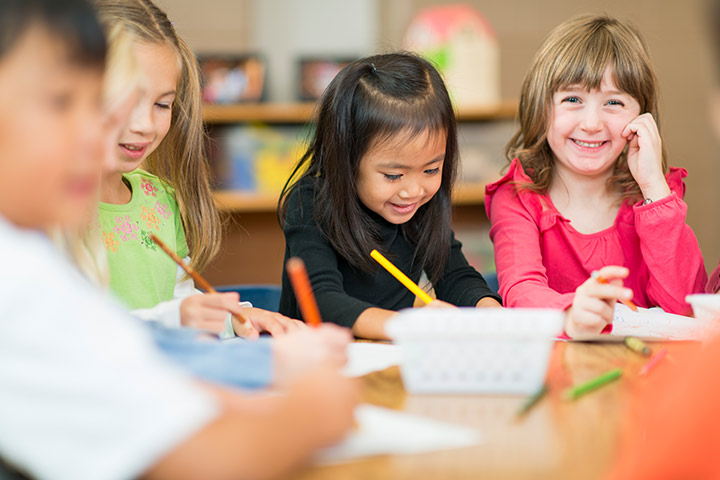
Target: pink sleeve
<point>670,249</point>
<point>516,238</point>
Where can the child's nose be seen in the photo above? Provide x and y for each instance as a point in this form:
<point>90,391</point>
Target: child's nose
<point>411,191</point>
<point>591,120</point>
<point>141,120</point>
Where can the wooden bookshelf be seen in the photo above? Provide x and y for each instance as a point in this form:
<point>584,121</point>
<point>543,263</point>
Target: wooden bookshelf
<point>243,202</point>
<point>302,112</point>
<point>247,202</point>
<point>258,112</point>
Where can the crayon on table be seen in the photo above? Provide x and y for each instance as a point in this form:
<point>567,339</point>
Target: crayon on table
<point>401,277</point>
<point>653,362</point>
<point>638,346</point>
<point>597,382</point>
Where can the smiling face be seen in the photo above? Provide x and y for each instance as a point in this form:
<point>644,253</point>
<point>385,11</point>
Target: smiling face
<point>50,126</point>
<point>151,117</point>
<point>585,127</point>
<point>397,177</point>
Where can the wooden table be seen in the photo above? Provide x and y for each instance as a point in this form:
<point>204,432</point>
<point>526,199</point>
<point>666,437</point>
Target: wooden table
<point>558,439</point>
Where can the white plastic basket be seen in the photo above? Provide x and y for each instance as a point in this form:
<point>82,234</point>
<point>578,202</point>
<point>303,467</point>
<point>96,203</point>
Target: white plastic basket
<point>469,350</point>
<point>706,308</point>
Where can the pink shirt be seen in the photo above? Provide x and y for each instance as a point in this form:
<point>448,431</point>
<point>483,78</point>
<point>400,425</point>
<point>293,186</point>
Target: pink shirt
<point>541,259</point>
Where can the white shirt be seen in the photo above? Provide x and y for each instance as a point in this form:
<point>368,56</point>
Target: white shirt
<point>83,392</point>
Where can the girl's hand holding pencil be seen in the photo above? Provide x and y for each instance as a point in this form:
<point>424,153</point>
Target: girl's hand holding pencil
<point>593,307</point>
<point>208,311</point>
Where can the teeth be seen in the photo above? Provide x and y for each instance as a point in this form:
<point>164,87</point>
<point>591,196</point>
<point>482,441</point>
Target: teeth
<point>587,144</point>
<point>132,147</point>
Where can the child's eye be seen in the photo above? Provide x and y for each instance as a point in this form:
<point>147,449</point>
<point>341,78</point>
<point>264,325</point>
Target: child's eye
<point>392,178</point>
<point>571,99</point>
<point>616,102</point>
<point>165,106</point>
<point>433,171</point>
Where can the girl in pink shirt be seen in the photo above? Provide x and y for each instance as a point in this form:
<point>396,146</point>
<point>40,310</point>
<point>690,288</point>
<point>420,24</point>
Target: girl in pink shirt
<point>588,189</point>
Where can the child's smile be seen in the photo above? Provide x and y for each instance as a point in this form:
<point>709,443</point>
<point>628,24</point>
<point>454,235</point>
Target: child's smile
<point>397,177</point>
<point>135,151</point>
<point>403,209</point>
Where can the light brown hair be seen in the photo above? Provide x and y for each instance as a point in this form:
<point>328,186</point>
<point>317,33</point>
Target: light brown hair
<point>180,160</point>
<point>578,52</point>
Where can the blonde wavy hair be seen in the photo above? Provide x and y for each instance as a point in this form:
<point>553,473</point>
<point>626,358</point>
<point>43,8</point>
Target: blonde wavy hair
<point>578,52</point>
<point>180,160</point>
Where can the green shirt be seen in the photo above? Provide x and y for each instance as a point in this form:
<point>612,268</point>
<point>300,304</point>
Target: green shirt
<point>141,274</point>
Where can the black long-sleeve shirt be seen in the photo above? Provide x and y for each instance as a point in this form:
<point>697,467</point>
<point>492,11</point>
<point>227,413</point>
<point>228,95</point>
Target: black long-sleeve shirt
<point>344,292</point>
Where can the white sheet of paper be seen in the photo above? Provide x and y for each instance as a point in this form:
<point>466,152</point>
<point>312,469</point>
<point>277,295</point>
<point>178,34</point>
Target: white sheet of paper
<point>382,431</point>
<point>364,357</point>
<point>651,324</point>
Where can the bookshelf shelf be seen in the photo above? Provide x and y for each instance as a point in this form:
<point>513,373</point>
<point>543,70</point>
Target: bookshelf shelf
<point>302,112</point>
<point>247,202</point>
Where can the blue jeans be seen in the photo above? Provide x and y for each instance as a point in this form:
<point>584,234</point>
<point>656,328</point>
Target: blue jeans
<point>235,362</point>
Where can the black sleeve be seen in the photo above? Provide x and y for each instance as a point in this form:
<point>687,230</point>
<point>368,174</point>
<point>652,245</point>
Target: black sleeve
<point>461,284</point>
<point>304,239</point>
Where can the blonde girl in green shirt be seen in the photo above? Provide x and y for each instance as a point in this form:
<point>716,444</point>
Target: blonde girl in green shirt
<point>170,195</point>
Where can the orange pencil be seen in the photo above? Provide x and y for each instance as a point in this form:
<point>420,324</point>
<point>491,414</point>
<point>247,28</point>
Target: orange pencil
<point>297,273</point>
<point>627,303</point>
<point>197,278</point>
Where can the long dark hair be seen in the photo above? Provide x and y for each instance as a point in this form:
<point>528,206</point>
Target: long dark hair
<point>72,22</point>
<point>370,101</point>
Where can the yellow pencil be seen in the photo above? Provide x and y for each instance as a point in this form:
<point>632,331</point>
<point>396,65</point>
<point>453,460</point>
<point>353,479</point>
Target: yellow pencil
<point>401,277</point>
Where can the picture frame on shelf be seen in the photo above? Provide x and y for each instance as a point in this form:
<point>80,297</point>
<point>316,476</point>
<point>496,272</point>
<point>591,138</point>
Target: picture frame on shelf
<point>315,74</point>
<point>230,79</point>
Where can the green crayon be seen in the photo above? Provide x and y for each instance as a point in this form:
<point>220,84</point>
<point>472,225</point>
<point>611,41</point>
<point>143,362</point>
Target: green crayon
<point>590,385</point>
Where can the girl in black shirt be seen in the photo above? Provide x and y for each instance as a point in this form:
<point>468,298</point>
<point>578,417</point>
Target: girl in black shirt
<point>378,173</point>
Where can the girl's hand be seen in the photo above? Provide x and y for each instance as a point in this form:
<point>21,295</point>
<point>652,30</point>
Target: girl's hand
<point>439,304</point>
<point>488,302</point>
<point>208,311</point>
<point>645,156</point>
<point>258,320</point>
<point>594,305</point>
<point>306,349</point>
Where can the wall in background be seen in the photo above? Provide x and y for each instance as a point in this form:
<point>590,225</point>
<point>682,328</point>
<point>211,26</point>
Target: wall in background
<point>673,30</point>
<point>676,36</point>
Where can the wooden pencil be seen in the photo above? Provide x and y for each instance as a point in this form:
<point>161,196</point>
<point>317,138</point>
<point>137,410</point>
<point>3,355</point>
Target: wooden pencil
<point>197,278</point>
